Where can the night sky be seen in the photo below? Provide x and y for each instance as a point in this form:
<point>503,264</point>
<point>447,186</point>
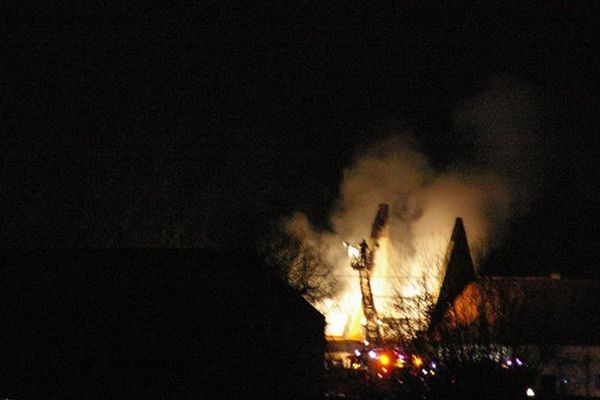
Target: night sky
<point>201,127</point>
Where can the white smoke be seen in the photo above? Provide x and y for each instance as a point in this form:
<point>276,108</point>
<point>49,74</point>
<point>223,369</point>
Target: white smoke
<point>424,203</point>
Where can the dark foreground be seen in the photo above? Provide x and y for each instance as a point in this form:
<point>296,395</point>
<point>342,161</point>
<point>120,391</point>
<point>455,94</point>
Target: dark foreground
<point>478,380</point>
<point>90,324</point>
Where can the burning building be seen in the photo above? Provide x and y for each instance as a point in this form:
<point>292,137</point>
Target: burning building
<point>368,307</point>
<point>548,322</point>
<point>412,245</point>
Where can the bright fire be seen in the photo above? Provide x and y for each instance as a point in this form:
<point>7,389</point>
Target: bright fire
<point>391,277</point>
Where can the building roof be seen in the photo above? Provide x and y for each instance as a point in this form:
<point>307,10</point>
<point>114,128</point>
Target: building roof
<point>458,267</point>
<point>528,310</point>
<point>549,311</point>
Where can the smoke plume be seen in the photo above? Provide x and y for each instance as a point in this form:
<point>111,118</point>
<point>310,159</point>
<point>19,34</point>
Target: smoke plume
<point>486,188</point>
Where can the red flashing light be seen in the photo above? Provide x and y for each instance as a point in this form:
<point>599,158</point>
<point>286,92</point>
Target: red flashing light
<point>384,360</point>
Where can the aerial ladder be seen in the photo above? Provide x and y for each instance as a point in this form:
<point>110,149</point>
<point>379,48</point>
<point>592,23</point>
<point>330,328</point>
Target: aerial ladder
<point>362,259</point>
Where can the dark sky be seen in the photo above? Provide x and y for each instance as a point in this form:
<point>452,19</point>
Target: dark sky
<point>130,127</point>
